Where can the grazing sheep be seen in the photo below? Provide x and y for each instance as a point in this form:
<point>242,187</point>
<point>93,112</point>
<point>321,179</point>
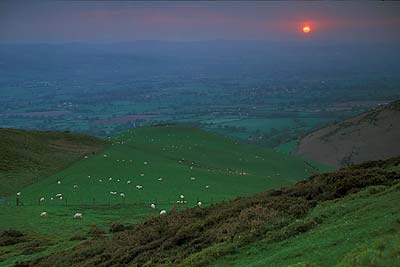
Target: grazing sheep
<point>105,155</point>
<point>88,176</point>
<point>142,174</point>
<point>153,206</point>
<point>160,179</point>
<point>78,215</point>
<point>122,195</point>
<point>207,186</point>
<point>199,203</point>
<point>110,179</point>
<point>61,198</point>
<point>51,198</point>
<point>118,180</point>
<point>58,182</point>
<point>43,214</point>
<point>100,180</point>
<point>182,196</point>
<point>128,182</point>
<point>59,195</point>
<point>19,193</point>
<point>86,157</point>
<point>113,193</point>
<point>41,199</point>
<point>75,186</point>
<point>192,178</point>
<point>163,212</point>
<point>139,186</point>
<point>145,163</point>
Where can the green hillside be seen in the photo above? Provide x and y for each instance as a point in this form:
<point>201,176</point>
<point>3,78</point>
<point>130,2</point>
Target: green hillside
<point>169,161</point>
<point>199,165</point>
<point>28,156</point>
<point>346,218</point>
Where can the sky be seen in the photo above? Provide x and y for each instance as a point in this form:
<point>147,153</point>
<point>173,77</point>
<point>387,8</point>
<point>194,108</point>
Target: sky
<point>126,21</point>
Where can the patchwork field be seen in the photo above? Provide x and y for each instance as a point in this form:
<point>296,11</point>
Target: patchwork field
<point>171,166</point>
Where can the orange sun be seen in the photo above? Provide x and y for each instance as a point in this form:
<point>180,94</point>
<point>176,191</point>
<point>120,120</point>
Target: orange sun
<point>306,29</point>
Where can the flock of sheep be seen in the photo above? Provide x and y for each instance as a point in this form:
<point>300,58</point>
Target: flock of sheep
<point>79,215</point>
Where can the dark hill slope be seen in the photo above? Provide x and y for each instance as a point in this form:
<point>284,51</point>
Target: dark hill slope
<point>370,136</point>
<point>28,156</point>
<point>198,236</point>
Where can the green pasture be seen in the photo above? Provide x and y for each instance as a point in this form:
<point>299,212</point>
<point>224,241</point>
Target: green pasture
<point>167,162</point>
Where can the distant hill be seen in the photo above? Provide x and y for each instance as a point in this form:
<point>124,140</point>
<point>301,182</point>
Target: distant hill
<point>345,218</point>
<point>370,136</point>
<point>28,156</point>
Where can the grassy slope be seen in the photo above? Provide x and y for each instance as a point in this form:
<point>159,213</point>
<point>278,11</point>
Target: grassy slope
<point>170,151</point>
<point>28,156</point>
<point>174,153</point>
<point>327,220</point>
<point>360,230</point>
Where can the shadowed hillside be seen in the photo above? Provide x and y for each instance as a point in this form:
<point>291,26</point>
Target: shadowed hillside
<point>200,236</point>
<point>370,136</point>
<point>28,156</point>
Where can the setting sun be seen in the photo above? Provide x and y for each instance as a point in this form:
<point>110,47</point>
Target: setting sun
<point>306,29</point>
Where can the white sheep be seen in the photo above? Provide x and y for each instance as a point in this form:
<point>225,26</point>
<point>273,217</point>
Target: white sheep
<point>122,195</point>
<point>75,186</point>
<point>160,179</point>
<point>163,212</point>
<point>110,179</point>
<point>41,199</point>
<point>182,196</point>
<point>139,186</point>
<point>19,193</point>
<point>145,163</point>
<point>118,180</point>
<point>105,155</point>
<point>59,195</point>
<point>113,193</point>
<point>192,178</point>
<point>153,206</point>
<point>58,182</point>
<point>51,198</point>
<point>88,176</point>
<point>142,174</point>
<point>128,182</point>
<point>199,203</point>
<point>43,214</point>
<point>207,186</point>
<point>100,180</point>
<point>86,157</point>
<point>78,215</point>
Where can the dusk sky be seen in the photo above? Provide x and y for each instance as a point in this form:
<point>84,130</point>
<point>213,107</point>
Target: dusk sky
<point>110,21</point>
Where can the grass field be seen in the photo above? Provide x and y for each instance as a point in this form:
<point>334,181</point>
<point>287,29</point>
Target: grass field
<point>167,161</point>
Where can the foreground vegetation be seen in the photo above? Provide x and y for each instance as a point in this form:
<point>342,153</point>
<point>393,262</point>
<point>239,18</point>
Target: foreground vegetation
<point>338,212</point>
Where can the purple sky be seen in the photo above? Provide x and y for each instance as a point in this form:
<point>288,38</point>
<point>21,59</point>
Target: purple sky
<point>107,21</point>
